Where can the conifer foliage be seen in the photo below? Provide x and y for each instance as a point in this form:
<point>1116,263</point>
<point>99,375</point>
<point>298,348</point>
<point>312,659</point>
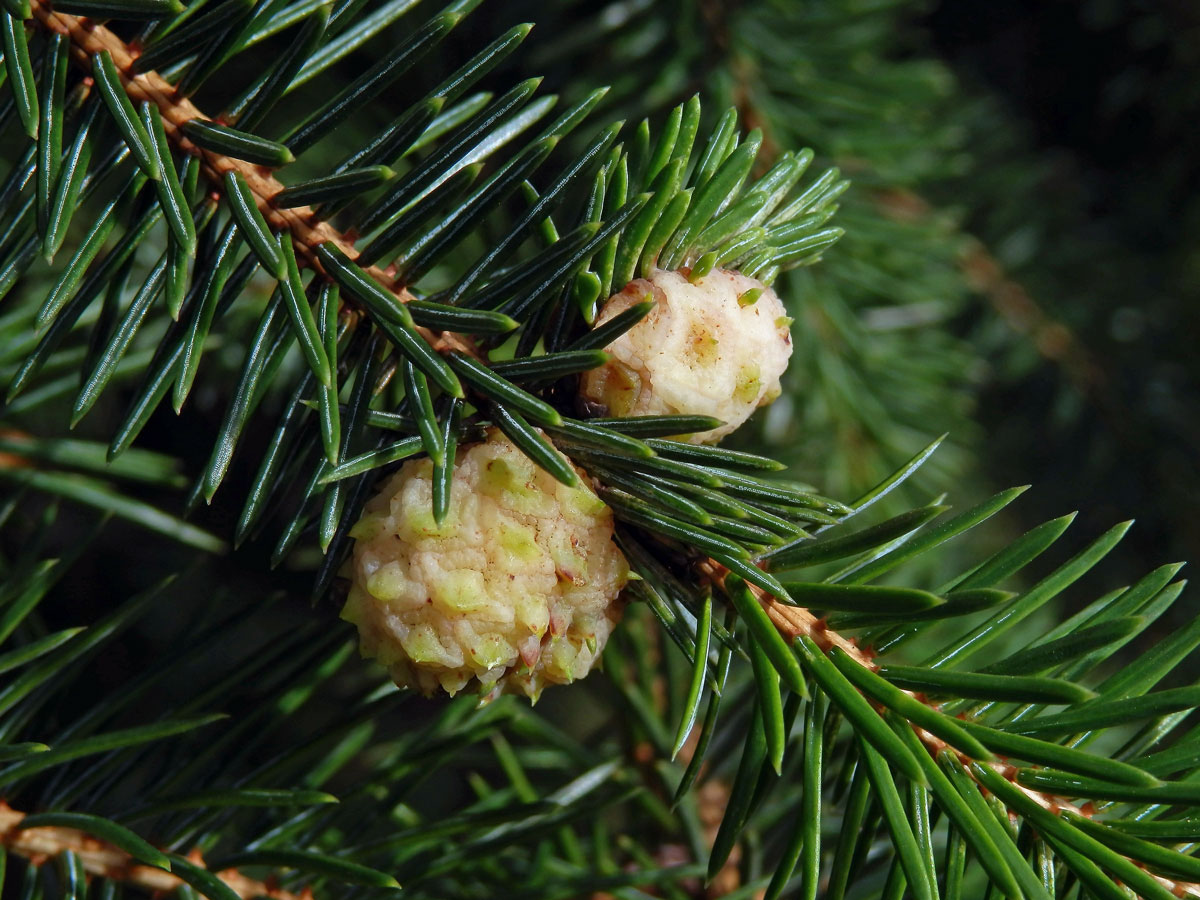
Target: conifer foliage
<point>792,713</point>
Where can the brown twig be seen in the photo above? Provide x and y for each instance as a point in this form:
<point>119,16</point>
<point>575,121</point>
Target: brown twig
<point>102,858</point>
<point>9,460</point>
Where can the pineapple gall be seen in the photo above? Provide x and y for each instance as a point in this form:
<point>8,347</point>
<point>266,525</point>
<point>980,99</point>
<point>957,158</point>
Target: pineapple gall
<point>516,589</point>
<point>716,347</point>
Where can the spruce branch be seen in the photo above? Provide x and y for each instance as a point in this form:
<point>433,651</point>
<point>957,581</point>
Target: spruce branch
<point>107,860</point>
<point>796,623</point>
<point>689,517</point>
<point>874,707</point>
<point>308,232</point>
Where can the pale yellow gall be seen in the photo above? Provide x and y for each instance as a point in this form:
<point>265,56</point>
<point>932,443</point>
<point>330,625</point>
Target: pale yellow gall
<point>716,347</point>
<point>516,589</point>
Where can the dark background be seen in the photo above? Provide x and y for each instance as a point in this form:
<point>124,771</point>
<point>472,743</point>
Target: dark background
<point>1103,97</point>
